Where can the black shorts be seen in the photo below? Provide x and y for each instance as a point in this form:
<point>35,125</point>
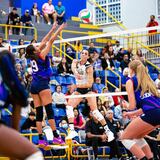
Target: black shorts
<point>83,90</point>
<point>39,85</point>
<point>152,117</point>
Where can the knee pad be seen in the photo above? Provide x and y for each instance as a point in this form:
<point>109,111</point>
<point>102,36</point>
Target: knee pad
<point>49,111</point>
<point>128,143</point>
<point>98,115</point>
<point>141,142</point>
<point>69,112</point>
<point>35,156</point>
<point>39,114</point>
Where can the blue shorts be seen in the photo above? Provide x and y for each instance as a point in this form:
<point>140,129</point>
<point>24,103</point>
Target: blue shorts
<point>39,85</point>
<point>152,117</point>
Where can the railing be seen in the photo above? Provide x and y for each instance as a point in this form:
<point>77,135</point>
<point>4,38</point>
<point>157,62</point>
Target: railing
<point>119,77</point>
<point>7,27</point>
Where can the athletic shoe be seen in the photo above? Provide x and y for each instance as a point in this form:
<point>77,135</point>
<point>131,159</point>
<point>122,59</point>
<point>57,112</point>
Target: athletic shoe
<point>58,141</point>
<point>42,143</point>
<point>110,135</point>
<point>72,134</point>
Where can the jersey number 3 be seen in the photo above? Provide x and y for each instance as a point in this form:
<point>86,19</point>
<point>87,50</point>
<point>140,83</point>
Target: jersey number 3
<point>34,66</point>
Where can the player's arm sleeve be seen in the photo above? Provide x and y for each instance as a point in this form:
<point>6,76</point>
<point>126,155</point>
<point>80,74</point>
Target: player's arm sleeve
<point>18,93</point>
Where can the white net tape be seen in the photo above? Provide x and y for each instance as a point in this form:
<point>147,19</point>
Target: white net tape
<point>126,33</point>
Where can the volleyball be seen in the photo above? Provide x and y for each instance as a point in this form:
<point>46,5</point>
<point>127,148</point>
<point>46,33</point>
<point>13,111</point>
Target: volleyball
<point>85,16</point>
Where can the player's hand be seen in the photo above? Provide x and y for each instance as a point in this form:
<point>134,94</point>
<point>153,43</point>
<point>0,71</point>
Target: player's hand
<point>103,137</point>
<point>125,104</point>
<point>128,114</point>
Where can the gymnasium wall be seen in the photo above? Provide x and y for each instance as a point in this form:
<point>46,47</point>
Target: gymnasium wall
<point>72,6</point>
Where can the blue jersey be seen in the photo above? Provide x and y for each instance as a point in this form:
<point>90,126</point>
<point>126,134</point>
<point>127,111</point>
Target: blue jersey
<point>3,93</point>
<point>41,68</point>
<point>148,101</point>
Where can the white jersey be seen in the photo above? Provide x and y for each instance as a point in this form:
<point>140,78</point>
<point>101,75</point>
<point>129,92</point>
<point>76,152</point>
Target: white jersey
<point>81,69</point>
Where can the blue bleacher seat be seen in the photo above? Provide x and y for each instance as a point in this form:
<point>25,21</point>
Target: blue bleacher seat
<point>52,87</point>
<point>154,76</point>
<point>64,89</point>
<point>70,80</point>
<point>61,80</point>
<point>55,71</point>
<point>59,112</point>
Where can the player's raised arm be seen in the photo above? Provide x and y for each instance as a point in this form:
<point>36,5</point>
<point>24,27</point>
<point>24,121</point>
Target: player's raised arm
<point>46,50</point>
<point>46,38</point>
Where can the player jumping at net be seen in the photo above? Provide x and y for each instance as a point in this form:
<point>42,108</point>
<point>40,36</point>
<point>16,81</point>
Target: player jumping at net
<point>40,89</point>
<point>142,93</point>
<point>83,72</point>
<point>12,92</point>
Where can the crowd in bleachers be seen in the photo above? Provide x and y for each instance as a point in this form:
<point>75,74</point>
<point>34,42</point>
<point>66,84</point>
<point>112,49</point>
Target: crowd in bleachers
<point>48,13</point>
<point>112,57</point>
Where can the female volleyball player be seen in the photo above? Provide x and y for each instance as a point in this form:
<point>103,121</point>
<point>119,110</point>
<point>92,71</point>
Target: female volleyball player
<point>12,92</point>
<point>143,94</point>
<point>40,90</point>
<point>83,72</point>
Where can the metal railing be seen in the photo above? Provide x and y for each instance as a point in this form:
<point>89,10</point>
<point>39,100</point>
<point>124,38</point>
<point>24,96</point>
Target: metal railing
<point>8,27</point>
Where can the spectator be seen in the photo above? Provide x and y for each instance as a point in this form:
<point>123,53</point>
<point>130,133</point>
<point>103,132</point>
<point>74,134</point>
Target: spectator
<point>117,48</point>
<point>49,12</point>
<point>70,51</point>
<point>97,85</point>
<point>95,136</point>
<point>79,121</point>
<point>125,78</point>
<point>97,64</point>
<point>1,41</point>
<point>124,63</point>
<point>56,59</point>
<point>157,81</point>
<point>111,53</point>
<point>114,126</point>
<point>21,42</point>
<point>153,38</point>
<point>107,98</point>
<point>117,99</point>
<point>102,53</point>
<point>107,62</point>
<point>78,45</point>
<point>60,11</point>
<point>30,123</point>
<point>36,13</point>
<point>129,52</point>
<point>14,19</point>
<point>152,23</point>
<point>91,48</point>
<point>140,56</point>
<point>20,73</point>
<point>26,20</point>
<point>63,67</point>
<point>59,98</point>
<point>33,41</point>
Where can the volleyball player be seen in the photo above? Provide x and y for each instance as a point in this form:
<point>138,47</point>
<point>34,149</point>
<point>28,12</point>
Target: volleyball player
<point>40,90</point>
<point>143,94</point>
<point>83,72</point>
<point>12,92</point>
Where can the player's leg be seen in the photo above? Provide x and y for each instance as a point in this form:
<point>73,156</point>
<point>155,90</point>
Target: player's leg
<point>39,118</point>
<point>136,130</point>
<point>92,102</point>
<point>15,146</point>
<point>72,103</point>
<point>46,98</point>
